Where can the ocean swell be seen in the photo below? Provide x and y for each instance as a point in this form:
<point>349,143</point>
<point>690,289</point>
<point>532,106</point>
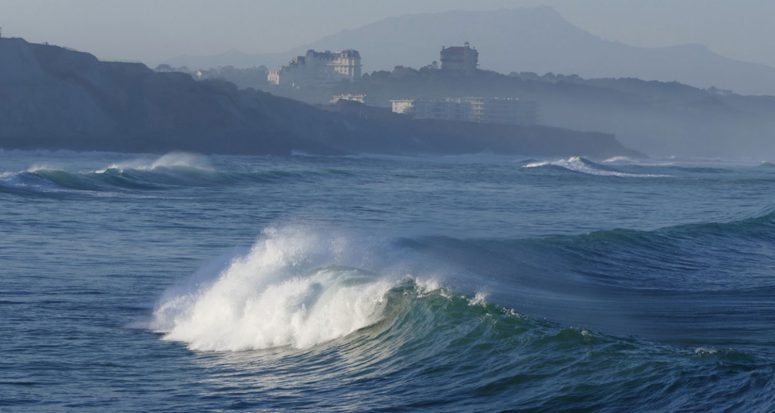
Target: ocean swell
<point>299,287</point>
<point>274,308</point>
<point>170,171</point>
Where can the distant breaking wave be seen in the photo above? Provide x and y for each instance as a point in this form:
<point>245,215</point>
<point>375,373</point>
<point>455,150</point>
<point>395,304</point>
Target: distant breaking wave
<point>582,165</point>
<point>620,159</point>
<point>166,172</point>
<point>626,160</point>
<point>175,160</point>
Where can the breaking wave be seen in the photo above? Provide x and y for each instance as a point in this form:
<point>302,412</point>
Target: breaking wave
<point>166,172</point>
<point>290,289</point>
<point>582,165</point>
<point>331,306</point>
<point>299,287</point>
<point>621,159</point>
<point>175,160</point>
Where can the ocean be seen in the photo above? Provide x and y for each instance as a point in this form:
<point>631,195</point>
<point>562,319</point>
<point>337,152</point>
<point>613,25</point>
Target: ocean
<point>183,283</point>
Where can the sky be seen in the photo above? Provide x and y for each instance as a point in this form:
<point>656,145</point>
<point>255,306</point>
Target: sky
<point>153,31</point>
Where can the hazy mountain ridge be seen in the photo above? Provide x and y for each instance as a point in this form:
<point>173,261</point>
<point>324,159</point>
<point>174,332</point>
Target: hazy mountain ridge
<point>526,39</point>
<point>55,98</point>
<point>540,40</point>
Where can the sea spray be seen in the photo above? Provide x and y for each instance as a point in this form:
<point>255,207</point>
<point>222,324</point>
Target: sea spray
<point>172,160</point>
<point>286,291</point>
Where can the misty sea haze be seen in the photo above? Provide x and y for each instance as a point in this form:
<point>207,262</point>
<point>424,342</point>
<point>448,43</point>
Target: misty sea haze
<point>184,282</point>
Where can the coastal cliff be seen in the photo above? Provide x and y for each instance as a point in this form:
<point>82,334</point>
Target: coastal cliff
<point>56,98</point>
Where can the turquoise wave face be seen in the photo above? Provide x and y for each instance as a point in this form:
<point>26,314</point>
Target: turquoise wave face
<point>463,283</point>
<point>440,350</point>
<point>671,284</point>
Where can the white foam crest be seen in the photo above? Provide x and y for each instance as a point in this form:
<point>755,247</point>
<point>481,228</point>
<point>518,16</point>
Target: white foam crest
<point>625,160</point>
<point>581,165</point>
<point>705,351</point>
<point>479,299</point>
<point>273,296</point>
<point>40,167</point>
<point>537,164</point>
<point>620,159</point>
<point>168,161</point>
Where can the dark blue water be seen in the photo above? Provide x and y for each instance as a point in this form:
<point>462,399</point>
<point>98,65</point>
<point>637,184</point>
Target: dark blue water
<point>478,283</point>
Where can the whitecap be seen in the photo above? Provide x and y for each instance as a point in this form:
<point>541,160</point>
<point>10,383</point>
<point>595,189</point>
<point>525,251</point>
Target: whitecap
<point>582,165</point>
<point>274,296</point>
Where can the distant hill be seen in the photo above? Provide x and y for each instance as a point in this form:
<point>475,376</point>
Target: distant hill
<point>527,39</point>
<point>55,98</point>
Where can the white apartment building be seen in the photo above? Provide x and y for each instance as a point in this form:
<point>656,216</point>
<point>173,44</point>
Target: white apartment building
<point>472,109</point>
<point>315,68</point>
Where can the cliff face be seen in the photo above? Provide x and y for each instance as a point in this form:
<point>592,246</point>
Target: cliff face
<point>55,98</point>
